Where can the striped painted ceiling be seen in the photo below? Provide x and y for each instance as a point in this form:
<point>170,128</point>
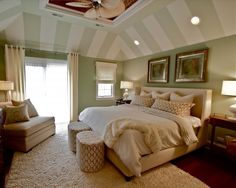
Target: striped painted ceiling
<point>161,25</point>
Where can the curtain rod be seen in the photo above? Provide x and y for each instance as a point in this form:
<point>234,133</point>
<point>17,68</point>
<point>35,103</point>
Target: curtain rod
<point>38,50</point>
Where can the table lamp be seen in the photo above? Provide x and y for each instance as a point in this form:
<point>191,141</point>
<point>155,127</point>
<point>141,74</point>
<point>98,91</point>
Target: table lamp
<point>7,86</point>
<point>229,88</point>
<point>126,85</point>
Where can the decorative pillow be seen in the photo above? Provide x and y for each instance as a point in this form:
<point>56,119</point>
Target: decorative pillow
<point>16,113</point>
<point>142,101</point>
<point>31,109</point>
<point>146,94</point>
<point>177,98</point>
<point>163,96</point>
<point>178,108</point>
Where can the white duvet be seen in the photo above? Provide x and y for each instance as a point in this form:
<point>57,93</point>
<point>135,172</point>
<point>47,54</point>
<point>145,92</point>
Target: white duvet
<point>132,131</point>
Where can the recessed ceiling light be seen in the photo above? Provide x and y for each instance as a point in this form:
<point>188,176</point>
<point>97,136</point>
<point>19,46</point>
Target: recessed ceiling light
<point>136,42</point>
<point>195,20</point>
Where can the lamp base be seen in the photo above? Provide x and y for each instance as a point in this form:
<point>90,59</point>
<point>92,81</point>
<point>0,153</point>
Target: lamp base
<point>126,94</point>
<point>232,109</point>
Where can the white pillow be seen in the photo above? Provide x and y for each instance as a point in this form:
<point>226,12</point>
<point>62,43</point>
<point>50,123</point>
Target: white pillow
<point>177,108</point>
<point>163,96</point>
<point>177,98</point>
<point>142,101</point>
<point>146,94</point>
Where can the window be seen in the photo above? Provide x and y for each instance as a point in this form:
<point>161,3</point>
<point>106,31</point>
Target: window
<point>46,86</point>
<point>105,80</point>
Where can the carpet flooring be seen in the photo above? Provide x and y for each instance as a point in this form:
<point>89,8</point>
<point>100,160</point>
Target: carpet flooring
<point>52,164</point>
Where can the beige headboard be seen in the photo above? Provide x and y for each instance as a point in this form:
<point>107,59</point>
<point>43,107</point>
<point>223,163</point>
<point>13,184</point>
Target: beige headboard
<point>202,99</point>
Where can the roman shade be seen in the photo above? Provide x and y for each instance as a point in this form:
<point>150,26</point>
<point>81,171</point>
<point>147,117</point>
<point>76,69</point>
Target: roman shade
<point>105,72</point>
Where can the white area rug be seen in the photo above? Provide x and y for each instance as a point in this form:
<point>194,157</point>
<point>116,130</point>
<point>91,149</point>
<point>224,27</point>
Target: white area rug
<point>52,164</point>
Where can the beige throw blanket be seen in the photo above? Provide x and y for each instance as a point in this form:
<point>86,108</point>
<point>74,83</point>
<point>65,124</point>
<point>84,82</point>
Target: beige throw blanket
<point>117,127</point>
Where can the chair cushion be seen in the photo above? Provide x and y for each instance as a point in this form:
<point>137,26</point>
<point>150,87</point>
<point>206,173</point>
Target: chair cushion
<point>27,128</point>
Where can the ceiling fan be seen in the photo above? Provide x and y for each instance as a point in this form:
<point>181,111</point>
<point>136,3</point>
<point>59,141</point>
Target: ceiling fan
<point>99,8</point>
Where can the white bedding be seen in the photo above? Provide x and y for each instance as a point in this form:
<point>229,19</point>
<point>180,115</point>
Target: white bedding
<point>125,129</point>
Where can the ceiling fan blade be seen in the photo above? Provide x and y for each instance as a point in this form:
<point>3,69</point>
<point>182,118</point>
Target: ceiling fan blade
<point>110,13</point>
<point>81,4</point>
<point>91,13</point>
<point>110,4</point>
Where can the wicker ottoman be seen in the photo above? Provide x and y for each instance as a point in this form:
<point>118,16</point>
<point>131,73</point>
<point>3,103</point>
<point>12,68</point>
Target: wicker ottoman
<point>73,129</point>
<point>89,151</point>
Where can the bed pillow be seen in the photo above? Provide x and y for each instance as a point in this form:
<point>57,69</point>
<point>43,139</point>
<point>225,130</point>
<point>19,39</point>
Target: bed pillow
<point>142,101</point>
<point>177,108</point>
<point>145,94</point>
<point>163,96</point>
<point>31,109</point>
<point>16,114</point>
<point>177,98</point>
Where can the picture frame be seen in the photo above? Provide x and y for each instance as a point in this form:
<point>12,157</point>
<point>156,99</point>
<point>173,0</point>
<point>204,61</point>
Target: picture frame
<point>191,66</point>
<point>158,70</point>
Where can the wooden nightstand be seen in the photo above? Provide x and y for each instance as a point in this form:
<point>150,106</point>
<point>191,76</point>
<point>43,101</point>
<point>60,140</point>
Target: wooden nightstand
<point>121,101</point>
<point>220,121</point>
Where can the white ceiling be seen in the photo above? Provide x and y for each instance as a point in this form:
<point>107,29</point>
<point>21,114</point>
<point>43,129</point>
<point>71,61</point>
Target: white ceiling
<point>161,25</point>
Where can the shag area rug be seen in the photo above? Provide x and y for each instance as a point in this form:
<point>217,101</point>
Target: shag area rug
<point>52,164</point>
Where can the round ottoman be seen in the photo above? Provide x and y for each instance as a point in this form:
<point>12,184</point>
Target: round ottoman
<point>89,151</point>
<point>73,129</point>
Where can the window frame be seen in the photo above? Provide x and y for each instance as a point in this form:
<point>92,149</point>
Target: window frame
<point>105,97</point>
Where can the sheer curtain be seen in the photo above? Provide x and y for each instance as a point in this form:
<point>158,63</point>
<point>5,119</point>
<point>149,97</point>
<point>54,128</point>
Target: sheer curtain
<point>73,68</point>
<point>15,70</point>
<point>46,86</point>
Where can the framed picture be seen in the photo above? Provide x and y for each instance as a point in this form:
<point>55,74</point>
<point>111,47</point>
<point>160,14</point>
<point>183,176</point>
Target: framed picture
<point>191,66</point>
<point>158,70</point>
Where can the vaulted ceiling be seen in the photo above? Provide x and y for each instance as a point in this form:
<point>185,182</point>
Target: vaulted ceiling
<point>159,26</point>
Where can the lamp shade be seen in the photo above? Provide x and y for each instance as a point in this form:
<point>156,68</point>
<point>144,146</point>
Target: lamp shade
<point>126,85</point>
<point>229,88</point>
<point>6,85</point>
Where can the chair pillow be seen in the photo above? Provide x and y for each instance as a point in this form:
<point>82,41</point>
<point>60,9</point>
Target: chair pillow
<point>16,114</point>
<point>177,98</point>
<point>163,96</point>
<point>177,108</point>
<point>142,101</point>
<point>31,109</point>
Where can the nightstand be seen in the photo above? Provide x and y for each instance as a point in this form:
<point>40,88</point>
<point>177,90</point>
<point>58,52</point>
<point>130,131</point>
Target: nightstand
<point>220,121</point>
<point>121,101</point>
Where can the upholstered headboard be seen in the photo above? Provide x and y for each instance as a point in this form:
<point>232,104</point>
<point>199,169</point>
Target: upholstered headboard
<point>202,98</point>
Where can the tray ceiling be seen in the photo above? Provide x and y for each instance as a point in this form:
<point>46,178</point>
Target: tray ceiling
<point>160,26</point>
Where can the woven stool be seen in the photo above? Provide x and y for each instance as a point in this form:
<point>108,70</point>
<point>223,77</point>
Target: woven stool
<point>89,151</point>
<point>73,129</point>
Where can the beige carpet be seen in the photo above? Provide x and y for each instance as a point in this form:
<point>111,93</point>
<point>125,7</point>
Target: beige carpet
<point>52,164</point>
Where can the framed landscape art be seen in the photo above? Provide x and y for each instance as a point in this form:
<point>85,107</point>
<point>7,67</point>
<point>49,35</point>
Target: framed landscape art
<point>191,66</point>
<point>158,70</point>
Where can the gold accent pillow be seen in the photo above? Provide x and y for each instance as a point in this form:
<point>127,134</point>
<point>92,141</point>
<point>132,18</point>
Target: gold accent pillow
<point>177,98</point>
<point>31,109</point>
<point>163,96</point>
<point>142,101</point>
<point>178,108</point>
<point>146,94</point>
<point>16,114</point>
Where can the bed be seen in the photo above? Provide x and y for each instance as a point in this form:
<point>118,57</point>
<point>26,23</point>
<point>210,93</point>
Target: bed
<point>131,148</point>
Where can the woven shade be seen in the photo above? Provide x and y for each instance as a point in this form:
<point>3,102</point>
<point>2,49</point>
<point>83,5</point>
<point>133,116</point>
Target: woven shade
<point>229,88</point>
<point>6,85</point>
<point>126,85</point>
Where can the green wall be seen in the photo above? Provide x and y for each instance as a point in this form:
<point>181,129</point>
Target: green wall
<point>221,65</point>
<point>87,83</point>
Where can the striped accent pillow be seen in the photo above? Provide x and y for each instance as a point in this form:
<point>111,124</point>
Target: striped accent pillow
<point>142,101</point>
<point>178,108</point>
